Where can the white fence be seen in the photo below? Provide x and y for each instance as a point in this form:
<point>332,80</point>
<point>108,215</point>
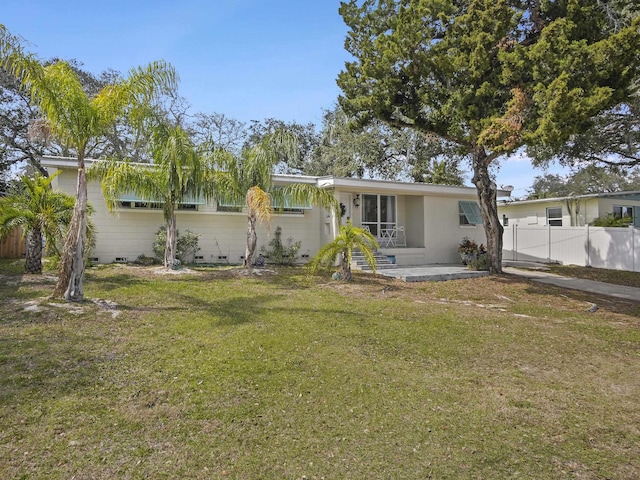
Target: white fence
<point>601,247</point>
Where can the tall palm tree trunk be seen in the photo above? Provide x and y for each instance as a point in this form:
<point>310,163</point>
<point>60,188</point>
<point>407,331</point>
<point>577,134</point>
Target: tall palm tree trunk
<point>170,246</point>
<point>71,269</point>
<point>252,241</point>
<point>33,258</point>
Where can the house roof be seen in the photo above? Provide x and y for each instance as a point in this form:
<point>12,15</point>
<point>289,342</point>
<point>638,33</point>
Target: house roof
<point>341,183</point>
<point>631,195</point>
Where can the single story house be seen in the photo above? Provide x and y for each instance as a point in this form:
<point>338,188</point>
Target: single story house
<point>417,223</point>
<point>573,211</point>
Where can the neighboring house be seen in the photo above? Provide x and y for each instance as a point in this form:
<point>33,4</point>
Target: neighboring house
<point>417,223</point>
<point>574,211</point>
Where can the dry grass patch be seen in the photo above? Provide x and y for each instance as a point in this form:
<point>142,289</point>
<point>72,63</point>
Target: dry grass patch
<point>617,277</point>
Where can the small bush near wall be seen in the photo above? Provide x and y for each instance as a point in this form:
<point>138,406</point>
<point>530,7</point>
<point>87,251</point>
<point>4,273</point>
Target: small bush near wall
<point>186,245</point>
<point>481,262</point>
<point>278,253</point>
<point>473,255</point>
<point>612,221</point>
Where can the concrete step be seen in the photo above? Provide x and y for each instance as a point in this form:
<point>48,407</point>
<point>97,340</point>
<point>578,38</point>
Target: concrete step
<point>359,262</point>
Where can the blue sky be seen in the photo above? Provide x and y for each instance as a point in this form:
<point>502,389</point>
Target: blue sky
<point>247,59</point>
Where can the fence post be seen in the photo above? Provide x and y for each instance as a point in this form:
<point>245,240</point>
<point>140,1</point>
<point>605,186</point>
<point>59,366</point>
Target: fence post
<point>514,254</point>
<point>548,243</point>
<point>588,260</point>
<point>633,248</point>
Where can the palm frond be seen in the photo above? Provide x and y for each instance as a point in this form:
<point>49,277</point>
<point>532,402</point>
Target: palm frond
<point>135,93</point>
<point>348,239</point>
<point>259,205</point>
<point>37,207</point>
<point>303,193</point>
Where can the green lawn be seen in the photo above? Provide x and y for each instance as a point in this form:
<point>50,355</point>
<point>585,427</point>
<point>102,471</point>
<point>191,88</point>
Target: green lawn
<point>217,374</point>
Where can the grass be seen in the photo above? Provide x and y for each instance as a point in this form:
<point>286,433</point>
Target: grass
<point>217,374</point>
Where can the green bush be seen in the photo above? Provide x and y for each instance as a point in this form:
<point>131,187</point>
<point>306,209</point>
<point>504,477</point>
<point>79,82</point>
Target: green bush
<point>612,221</point>
<point>186,245</point>
<point>278,253</point>
<point>470,251</point>
<point>479,262</point>
<point>470,247</point>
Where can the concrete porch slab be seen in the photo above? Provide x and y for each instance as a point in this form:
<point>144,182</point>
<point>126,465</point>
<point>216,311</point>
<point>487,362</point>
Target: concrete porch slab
<point>431,273</point>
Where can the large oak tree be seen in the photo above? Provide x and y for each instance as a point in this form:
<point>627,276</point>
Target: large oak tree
<point>490,76</point>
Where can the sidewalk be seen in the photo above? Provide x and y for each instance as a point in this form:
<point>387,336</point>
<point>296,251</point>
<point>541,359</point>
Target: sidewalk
<point>600,288</point>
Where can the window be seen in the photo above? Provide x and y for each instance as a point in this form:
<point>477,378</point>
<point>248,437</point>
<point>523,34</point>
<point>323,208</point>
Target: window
<point>554,216</point>
<point>621,211</point>
<point>130,200</point>
<point>228,208</point>
<point>228,204</point>
<point>378,212</point>
<point>149,205</point>
<point>469,213</point>
<point>287,203</point>
<point>188,206</point>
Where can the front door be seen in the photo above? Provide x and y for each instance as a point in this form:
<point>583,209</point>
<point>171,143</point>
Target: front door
<point>345,208</point>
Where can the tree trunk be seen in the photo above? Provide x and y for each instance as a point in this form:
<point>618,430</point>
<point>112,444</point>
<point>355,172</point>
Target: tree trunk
<point>252,241</point>
<point>170,245</point>
<point>33,258</point>
<point>71,269</point>
<point>345,267</point>
<point>487,196</point>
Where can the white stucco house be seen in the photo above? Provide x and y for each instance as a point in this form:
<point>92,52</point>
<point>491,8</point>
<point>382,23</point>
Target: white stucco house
<point>417,223</point>
<point>574,211</point>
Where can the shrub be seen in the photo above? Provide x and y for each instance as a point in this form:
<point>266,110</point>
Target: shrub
<point>278,253</point>
<point>144,260</point>
<point>479,262</point>
<point>611,221</point>
<point>470,250</point>
<point>186,245</point>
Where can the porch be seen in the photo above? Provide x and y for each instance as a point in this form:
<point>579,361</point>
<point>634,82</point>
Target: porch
<point>431,273</point>
<point>418,271</point>
<point>394,220</point>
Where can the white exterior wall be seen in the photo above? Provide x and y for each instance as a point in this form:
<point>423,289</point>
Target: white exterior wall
<point>605,205</point>
<point>589,210</point>
<point>531,213</point>
<point>129,233</point>
<point>414,221</point>
<point>429,214</point>
<point>443,232</point>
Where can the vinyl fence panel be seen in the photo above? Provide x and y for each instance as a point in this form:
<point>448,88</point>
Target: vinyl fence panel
<point>600,247</point>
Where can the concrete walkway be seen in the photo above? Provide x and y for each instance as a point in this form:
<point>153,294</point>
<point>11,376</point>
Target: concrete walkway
<point>599,288</point>
<point>531,271</point>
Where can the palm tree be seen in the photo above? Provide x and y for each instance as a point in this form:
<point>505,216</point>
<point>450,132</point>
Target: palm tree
<point>247,179</point>
<point>179,173</point>
<point>348,239</point>
<point>41,212</point>
<point>76,119</point>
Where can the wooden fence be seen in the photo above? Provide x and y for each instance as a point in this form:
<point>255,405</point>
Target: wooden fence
<point>13,245</point>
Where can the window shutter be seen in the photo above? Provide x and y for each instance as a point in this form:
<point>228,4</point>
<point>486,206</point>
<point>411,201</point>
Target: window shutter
<point>471,210</point>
